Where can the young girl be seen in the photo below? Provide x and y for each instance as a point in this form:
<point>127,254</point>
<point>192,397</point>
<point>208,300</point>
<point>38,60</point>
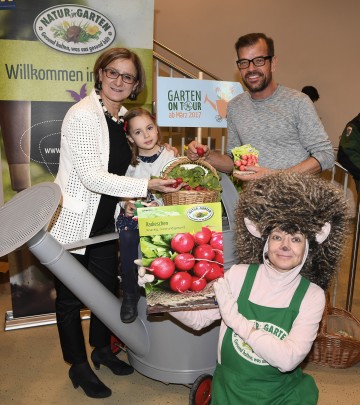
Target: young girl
<point>290,230</point>
<point>148,158</point>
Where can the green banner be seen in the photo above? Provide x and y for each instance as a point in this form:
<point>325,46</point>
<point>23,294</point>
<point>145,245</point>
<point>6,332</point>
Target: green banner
<point>30,71</point>
<point>48,49</point>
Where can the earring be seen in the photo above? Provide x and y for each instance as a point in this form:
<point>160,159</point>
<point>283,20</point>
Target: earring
<point>99,85</point>
<point>132,96</point>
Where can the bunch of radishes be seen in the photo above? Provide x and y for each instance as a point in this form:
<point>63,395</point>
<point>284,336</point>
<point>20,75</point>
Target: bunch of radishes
<point>199,259</point>
<point>245,155</point>
<point>246,160</point>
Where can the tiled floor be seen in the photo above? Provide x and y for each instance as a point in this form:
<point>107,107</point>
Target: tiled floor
<point>32,370</point>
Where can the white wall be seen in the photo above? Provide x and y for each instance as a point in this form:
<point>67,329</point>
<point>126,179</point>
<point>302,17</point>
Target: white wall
<point>317,43</point>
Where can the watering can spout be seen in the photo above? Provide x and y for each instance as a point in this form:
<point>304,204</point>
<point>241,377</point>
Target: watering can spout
<point>90,291</point>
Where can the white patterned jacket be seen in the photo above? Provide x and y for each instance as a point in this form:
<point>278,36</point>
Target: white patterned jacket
<point>83,175</point>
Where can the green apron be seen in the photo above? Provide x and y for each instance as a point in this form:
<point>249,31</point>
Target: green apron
<point>243,378</point>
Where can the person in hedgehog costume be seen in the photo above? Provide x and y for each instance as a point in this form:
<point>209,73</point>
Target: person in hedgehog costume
<point>290,231</point>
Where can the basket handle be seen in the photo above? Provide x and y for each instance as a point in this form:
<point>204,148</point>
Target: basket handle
<point>327,311</point>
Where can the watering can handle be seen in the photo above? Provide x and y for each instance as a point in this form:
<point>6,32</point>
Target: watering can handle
<point>229,199</point>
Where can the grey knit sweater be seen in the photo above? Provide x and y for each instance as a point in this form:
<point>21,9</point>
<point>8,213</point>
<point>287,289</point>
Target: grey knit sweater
<point>285,128</point>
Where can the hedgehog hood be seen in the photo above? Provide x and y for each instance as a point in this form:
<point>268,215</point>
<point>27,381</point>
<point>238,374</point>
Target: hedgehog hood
<point>293,203</point>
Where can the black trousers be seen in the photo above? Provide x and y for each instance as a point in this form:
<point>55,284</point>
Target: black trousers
<point>101,261</point>
<point>129,243</point>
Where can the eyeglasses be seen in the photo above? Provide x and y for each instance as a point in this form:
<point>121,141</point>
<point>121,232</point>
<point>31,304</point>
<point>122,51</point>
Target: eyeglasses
<point>125,77</point>
<point>258,61</point>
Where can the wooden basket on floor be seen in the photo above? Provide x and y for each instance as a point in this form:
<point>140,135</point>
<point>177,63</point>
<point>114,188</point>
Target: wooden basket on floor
<point>332,347</point>
<point>183,197</point>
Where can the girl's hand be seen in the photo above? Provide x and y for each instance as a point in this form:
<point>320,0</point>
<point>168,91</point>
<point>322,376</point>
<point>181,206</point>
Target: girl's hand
<point>129,208</point>
<point>150,204</point>
<point>163,185</point>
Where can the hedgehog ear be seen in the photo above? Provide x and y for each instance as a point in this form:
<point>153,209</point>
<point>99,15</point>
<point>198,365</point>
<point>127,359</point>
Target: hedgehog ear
<point>252,228</point>
<point>324,233</point>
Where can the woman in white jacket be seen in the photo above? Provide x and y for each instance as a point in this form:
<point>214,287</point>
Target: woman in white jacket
<point>94,157</point>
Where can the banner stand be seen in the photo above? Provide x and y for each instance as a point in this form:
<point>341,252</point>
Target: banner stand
<point>12,323</point>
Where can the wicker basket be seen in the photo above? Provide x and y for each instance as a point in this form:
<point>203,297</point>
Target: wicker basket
<point>183,197</point>
<point>331,348</point>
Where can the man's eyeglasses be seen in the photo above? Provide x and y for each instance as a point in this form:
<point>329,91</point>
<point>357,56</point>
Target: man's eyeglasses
<point>125,77</point>
<point>258,61</point>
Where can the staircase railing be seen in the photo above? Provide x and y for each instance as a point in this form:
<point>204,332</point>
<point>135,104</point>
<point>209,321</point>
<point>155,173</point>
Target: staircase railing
<point>180,67</point>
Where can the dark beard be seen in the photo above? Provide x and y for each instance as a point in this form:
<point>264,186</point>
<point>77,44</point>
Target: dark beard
<point>260,87</point>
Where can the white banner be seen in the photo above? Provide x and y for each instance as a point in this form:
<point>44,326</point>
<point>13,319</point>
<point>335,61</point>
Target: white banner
<point>194,103</point>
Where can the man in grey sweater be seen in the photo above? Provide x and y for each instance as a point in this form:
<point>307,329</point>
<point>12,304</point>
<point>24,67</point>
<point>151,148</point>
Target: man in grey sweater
<point>281,123</point>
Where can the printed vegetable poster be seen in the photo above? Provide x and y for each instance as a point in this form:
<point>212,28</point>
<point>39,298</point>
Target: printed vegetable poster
<point>182,246</point>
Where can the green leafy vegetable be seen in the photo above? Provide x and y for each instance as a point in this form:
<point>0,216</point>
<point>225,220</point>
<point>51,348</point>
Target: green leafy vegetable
<point>196,176</point>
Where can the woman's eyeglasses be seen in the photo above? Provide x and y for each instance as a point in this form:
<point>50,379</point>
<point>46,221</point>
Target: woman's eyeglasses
<point>125,77</point>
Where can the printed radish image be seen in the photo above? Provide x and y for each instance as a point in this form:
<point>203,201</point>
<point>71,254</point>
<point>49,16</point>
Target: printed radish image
<point>181,281</point>
<point>182,242</point>
<point>203,236</point>
<point>184,261</point>
<point>204,251</point>
<point>198,284</point>
<point>201,268</point>
<point>162,268</point>
<point>216,241</point>
<point>215,272</point>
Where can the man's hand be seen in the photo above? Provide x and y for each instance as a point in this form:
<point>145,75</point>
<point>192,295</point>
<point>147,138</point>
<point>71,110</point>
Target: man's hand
<point>252,173</point>
<point>196,150</point>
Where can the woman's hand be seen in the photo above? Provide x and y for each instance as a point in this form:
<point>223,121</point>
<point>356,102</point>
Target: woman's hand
<point>196,150</point>
<point>143,277</point>
<point>229,310</point>
<point>163,185</point>
<point>170,147</point>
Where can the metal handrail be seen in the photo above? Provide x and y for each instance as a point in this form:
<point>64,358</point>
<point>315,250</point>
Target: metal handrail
<point>172,65</point>
<point>199,68</point>
<point>346,176</point>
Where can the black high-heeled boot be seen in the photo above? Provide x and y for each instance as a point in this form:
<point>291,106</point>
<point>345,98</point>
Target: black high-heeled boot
<point>105,356</point>
<point>82,374</point>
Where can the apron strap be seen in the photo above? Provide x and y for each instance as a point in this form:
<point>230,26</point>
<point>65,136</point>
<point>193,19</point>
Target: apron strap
<point>299,294</point>
<point>248,282</point>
